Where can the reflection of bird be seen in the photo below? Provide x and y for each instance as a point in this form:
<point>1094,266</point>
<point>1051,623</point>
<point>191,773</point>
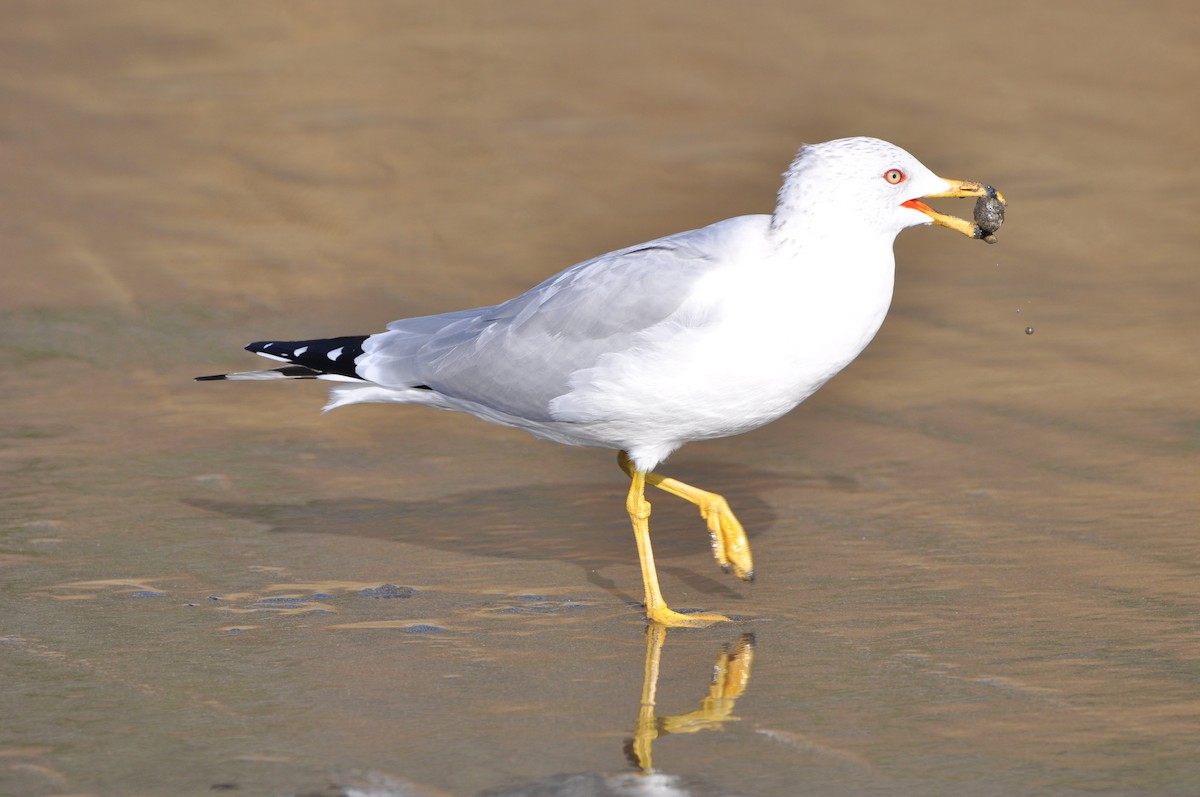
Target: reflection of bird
<point>702,334</point>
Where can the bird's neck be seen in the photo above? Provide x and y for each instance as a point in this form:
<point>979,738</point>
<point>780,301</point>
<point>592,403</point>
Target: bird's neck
<point>816,236</point>
<point>800,220</point>
<point>842,261</point>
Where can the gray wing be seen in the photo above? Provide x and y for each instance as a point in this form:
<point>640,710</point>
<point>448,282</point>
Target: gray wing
<point>518,356</point>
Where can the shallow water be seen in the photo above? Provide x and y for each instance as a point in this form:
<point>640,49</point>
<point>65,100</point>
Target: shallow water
<point>977,549</point>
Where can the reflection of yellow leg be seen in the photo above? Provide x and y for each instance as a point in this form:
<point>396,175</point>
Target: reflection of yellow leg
<point>730,547</point>
<point>647,726</point>
<point>731,675</point>
<point>656,608</point>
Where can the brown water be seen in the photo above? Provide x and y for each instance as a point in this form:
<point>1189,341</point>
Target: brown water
<point>978,550</point>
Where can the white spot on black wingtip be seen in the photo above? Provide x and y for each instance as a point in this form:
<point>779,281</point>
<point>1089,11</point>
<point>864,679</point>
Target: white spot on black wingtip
<point>299,351</point>
<point>335,353</point>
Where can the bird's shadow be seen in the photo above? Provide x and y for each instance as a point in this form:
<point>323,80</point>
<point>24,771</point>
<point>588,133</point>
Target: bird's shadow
<point>582,523</point>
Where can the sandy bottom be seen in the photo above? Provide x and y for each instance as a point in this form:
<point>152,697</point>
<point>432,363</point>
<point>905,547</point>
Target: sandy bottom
<point>978,558</point>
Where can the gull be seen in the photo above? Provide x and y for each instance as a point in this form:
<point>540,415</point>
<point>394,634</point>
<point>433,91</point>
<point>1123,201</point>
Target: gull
<point>698,335</point>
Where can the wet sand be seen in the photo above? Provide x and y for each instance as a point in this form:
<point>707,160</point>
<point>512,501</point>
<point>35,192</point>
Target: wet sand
<point>978,558</point>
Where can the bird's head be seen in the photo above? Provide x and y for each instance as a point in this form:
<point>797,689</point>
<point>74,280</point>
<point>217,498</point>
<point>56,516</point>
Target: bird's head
<point>853,186</point>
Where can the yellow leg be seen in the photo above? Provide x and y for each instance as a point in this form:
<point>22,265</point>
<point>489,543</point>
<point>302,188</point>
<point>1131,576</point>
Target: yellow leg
<point>656,607</point>
<point>730,547</point>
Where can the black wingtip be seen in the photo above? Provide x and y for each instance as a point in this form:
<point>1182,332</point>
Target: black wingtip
<point>318,356</point>
<point>210,378</point>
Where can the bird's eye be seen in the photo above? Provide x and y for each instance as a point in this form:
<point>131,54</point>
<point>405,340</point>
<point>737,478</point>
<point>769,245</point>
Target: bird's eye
<point>894,176</point>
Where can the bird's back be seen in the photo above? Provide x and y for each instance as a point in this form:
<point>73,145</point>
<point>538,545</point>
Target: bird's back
<point>517,357</point>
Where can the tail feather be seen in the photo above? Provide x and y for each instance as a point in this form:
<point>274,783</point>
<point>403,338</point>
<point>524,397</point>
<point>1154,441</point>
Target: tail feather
<point>287,372</point>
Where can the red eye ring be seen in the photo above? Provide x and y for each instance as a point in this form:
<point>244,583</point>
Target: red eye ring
<point>894,176</point>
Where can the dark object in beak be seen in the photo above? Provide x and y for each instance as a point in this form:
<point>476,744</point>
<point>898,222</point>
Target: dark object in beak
<point>989,209</point>
<point>989,214</point>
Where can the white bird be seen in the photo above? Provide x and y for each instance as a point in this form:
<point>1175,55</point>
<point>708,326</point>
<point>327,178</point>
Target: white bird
<point>702,334</point>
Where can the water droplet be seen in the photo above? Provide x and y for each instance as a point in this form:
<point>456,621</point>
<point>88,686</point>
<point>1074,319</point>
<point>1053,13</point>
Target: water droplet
<point>1028,330</point>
